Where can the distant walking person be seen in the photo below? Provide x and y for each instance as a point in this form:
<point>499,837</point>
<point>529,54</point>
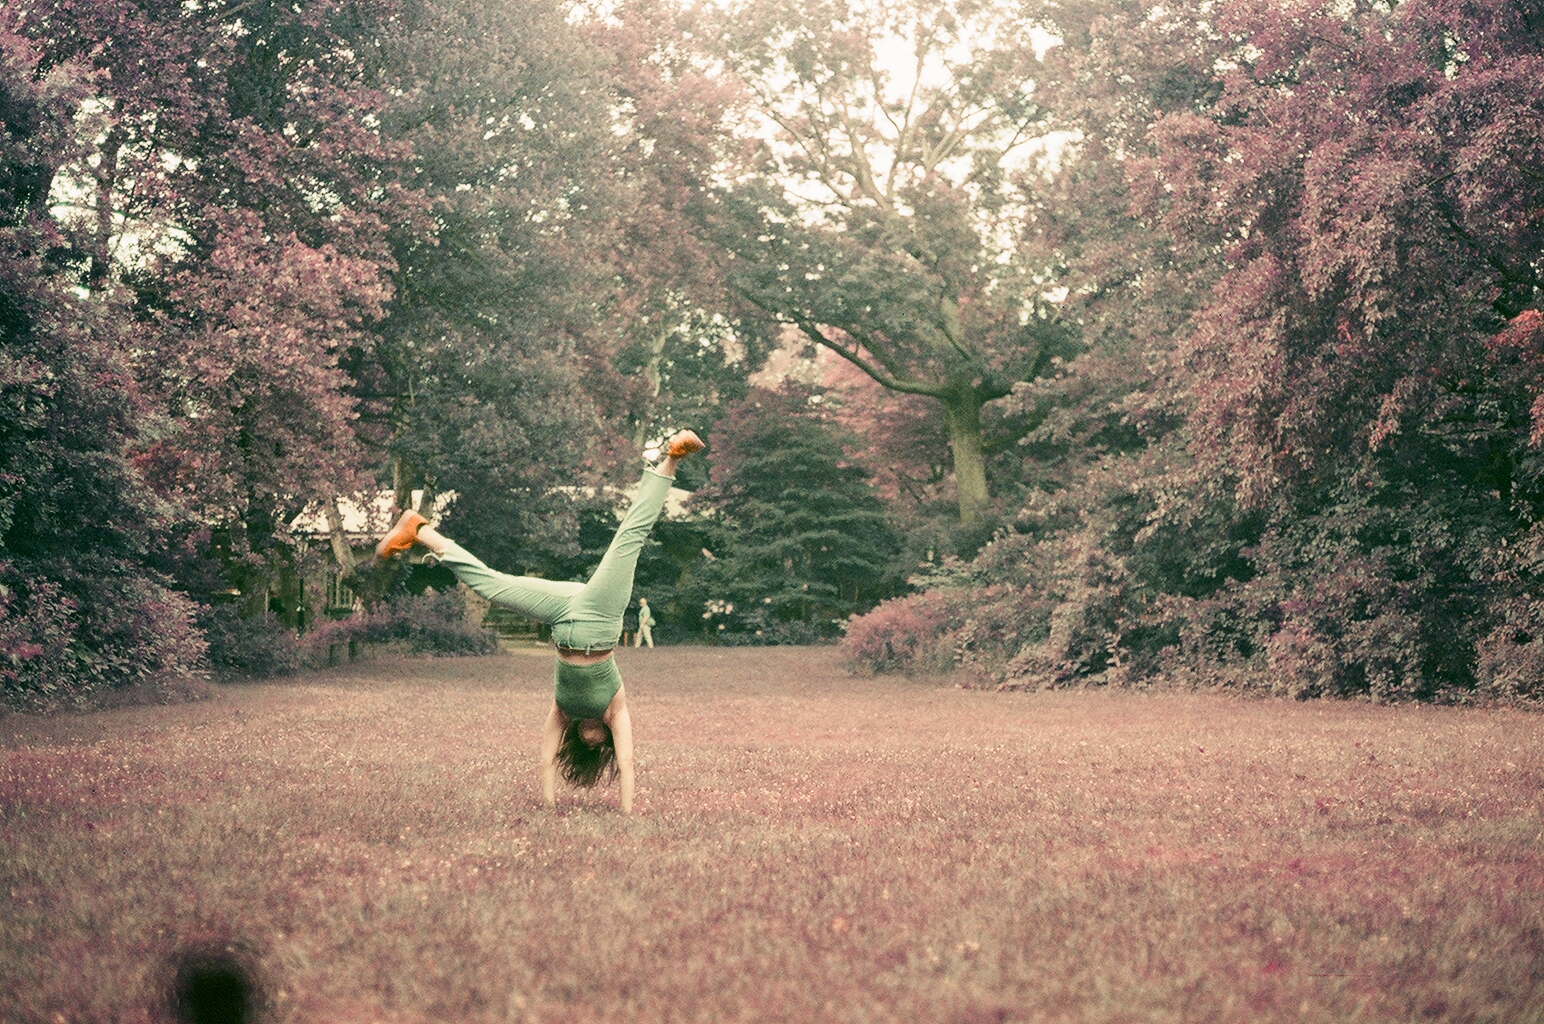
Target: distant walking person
<point>629,626</point>
<point>645,621</point>
<point>589,734</point>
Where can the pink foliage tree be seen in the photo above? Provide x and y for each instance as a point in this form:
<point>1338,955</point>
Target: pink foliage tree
<point>1373,183</point>
<point>1319,241</point>
<point>81,605</point>
<point>239,189</point>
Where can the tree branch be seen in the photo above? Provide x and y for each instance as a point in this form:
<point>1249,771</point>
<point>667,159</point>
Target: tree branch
<point>811,330</point>
<point>946,145</point>
<point>1529,171</point>
<point>1018,133</point>
<point>820,161</point>
<point>233,11</point>
<point>1508,275</point>
<point>879,92</point>
<point>861,170</point>
<point>903,137</point>
<point>882,379</point>
<point>875,348</point>
<point>949,326</point>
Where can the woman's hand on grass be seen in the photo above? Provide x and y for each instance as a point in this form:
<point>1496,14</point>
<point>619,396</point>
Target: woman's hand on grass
<point>551,740</point>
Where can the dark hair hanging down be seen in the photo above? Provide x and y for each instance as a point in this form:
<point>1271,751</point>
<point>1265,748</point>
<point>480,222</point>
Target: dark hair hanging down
<point>582,764</point>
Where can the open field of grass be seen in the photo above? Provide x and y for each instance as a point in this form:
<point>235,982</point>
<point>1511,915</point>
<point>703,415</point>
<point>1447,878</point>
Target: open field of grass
<point>808,846</point>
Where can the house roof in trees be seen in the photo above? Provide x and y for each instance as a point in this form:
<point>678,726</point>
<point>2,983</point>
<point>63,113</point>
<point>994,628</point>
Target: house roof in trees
<point>368,520</point>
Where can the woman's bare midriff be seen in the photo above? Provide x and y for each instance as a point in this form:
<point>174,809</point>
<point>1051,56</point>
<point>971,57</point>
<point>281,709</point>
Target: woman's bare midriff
<point>578,657</point>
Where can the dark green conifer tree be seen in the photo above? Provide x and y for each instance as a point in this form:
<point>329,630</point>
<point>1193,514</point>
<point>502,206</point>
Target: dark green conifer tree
<point>801,541</point>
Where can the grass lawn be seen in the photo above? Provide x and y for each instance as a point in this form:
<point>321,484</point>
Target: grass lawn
<point>807,846</point>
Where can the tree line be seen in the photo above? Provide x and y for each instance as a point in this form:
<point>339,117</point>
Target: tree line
<point>1197,339</point>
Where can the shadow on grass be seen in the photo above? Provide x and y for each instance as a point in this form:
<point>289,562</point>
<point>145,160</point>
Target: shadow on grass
<point>215,983</point>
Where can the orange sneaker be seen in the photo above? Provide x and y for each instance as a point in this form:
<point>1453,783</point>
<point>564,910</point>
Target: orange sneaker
<point>402,536</point>
<point>684,443</point>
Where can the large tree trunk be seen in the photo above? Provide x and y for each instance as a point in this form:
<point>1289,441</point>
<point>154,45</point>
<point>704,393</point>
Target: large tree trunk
<point>339,540</point>
<point>99,272</point>
<point>962,421</point>
<point>403,474</point>
<point>656,381</point>
<point>401,483</point>
<point>426,499</point>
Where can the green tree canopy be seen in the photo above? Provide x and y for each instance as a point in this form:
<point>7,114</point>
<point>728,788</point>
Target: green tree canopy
<point>884,217</point>
<point>802,540</point>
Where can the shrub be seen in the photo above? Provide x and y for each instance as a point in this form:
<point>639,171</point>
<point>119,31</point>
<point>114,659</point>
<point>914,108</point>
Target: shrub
<point>36,641</point>
<point>1509,662</point>
<point>70,633</point>
<point>1070,628</point>
<point>791,632</point>
<point>906,634</point>
<point>255,647</point>
<point>140,630</point>
<point>428,623</point>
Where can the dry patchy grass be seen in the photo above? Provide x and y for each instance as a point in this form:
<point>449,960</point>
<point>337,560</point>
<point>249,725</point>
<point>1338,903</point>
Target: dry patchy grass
<point>808,846</point>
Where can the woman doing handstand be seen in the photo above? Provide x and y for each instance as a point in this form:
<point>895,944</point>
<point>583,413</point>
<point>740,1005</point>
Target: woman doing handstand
<point>588,732</point>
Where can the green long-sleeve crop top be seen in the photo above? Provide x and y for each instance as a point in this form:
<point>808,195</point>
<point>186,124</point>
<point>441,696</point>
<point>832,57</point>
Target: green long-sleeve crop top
<point>585,691</point>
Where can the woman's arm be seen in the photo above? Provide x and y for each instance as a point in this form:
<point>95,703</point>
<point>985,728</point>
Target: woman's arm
<point>551,740</point>
<point>621,724</point>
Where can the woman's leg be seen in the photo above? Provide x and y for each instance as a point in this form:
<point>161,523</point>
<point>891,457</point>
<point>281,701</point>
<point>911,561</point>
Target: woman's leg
<point>606,596</point>
<point>543,600</point>
<point>604,599</point>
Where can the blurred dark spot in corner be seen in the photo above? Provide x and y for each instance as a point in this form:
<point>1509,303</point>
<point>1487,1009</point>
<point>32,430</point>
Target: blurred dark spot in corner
<point>215,984</point>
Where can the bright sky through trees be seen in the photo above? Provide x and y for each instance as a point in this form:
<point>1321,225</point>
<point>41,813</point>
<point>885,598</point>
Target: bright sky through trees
<point>909,59</point>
